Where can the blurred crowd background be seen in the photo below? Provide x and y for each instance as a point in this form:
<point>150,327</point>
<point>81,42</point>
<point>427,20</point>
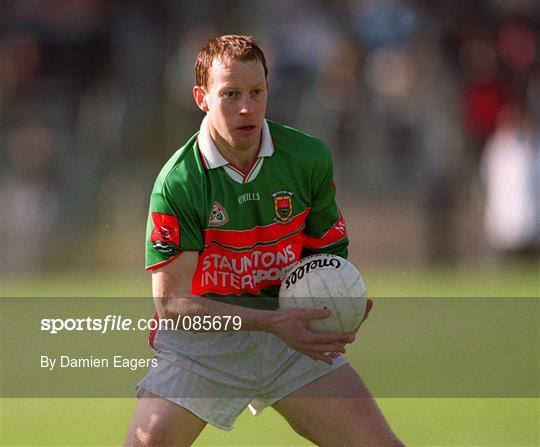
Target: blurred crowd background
<point>431,108</point>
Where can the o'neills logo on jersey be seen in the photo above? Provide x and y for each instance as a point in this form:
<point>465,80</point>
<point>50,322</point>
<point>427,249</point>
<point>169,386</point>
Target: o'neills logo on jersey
<point>218,216</point>
<point>282,206</point>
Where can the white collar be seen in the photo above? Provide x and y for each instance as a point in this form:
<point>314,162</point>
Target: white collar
<point>213,157</point>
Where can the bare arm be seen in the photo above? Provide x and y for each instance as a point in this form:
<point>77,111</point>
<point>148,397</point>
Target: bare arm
<point>171,289</point>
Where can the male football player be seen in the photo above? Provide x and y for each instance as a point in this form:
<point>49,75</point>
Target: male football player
<point>242,200</point>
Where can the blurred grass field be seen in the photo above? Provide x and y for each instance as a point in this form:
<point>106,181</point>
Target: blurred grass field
<point>418,421</point>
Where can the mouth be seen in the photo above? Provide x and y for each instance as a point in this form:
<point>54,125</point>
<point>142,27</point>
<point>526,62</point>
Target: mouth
<point>247,128</point>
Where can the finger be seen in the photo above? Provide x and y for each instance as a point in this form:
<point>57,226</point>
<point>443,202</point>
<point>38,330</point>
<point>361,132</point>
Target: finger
<point>350,336</point>
<point>316,314</point>
<point>347,337</point>
<point>369,306</point>
<point>328,337</point>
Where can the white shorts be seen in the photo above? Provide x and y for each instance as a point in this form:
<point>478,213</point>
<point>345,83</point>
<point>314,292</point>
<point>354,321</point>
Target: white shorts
<point>217,375</point>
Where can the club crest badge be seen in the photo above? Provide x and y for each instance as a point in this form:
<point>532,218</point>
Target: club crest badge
<point>218,216</point>
<point>283,206</point>
<point>165,235</point>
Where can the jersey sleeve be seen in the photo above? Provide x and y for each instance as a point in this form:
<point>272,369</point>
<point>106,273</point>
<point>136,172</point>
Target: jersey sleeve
<point>326,231</point>
<point>173,226</point>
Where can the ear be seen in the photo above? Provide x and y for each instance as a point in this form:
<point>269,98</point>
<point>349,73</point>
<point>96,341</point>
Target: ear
<point>199,94</point>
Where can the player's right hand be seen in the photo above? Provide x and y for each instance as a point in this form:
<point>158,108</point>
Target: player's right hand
<point>291,325</point>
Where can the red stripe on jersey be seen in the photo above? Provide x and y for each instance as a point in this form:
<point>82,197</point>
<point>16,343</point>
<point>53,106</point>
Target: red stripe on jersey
<point>257,235</point>
<point>333,235</point>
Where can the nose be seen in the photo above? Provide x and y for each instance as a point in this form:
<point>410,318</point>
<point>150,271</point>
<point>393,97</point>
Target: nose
<point>246,106</point>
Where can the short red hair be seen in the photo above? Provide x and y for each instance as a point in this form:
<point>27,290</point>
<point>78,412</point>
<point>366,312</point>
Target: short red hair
<point>242,48</point>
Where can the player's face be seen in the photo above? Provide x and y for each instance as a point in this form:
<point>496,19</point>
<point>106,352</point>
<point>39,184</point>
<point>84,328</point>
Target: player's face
<point>235,102</point>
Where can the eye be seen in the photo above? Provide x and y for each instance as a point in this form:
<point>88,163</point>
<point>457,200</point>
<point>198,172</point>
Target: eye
<point>230,94</point>
<point>257,91</point>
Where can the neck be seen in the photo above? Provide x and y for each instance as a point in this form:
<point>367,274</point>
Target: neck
<point>242,158</point>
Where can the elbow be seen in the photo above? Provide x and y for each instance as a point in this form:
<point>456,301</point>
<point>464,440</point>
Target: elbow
<point>169,308</point>
<point>162,308</point>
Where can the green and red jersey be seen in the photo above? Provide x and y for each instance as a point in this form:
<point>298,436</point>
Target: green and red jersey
<point>247,227</point>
